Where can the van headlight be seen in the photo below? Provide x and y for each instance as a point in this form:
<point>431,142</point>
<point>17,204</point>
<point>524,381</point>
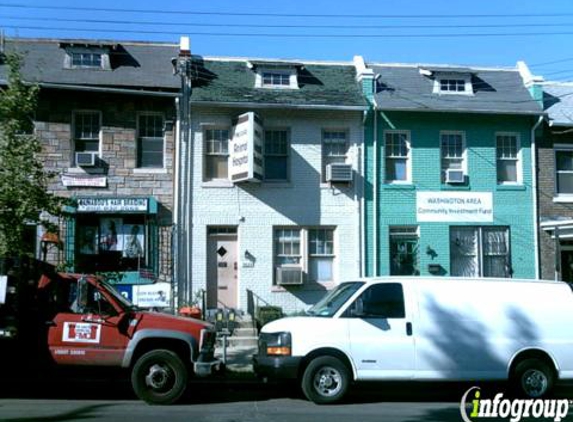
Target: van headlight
<point>275,344</point>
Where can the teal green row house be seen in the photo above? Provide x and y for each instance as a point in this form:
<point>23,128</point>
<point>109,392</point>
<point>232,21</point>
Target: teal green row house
<point>449,157</point>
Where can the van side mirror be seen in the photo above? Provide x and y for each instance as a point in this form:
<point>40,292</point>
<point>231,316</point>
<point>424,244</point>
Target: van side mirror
<point>82,294</point>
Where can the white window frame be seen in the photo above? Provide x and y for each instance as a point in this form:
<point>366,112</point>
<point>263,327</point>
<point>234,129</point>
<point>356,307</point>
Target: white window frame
<point>149,113</point>
<point>73,132</point>
<point>288,156</point>
<point>290,72</point>
<point>305,256</point>
<point>324,162</point>
<point>466,77</point>
<point>408,157</point>
<point>561,197</point>
<point>105,61</point>
<point>518,157</point>
<point>464,157</point>
<point>206,153</point>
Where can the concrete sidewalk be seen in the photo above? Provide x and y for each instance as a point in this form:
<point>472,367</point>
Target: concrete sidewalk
<point>238,359</point>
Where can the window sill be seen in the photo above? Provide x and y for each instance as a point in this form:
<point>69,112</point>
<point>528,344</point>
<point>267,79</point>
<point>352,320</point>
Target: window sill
<point>455,187</point>
<point>511,187</point>
<point>276,184</point>
<point>336,185</point>
<point>141,170</point>
<point>218,184</point>
<point>398,186</point>
<point>563,199</point>
<point>85,170</point>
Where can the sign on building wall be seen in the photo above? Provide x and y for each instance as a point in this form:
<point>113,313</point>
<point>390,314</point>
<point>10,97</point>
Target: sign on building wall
<point>454,207</point>
<point>84,180</point>
<point>246,149</point>
<point>156,295</point>
<point>112,204</point>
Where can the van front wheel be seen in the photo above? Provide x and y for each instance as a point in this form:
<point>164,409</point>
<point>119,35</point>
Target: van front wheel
<point>325,380</point>
<point>533,378</point>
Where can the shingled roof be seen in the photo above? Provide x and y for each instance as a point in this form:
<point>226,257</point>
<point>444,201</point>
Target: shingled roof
<point>217,81</point>
<point>319,84</point>
<point>558,103</point>
<point>404,87</point>
<point>133,65</point>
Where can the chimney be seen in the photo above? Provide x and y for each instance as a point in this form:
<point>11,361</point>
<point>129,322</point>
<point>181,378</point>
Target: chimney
<point>184,47</point>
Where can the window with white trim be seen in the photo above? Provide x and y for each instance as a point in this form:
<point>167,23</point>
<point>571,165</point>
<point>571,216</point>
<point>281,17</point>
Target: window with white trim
<point>453,152</point>
<point>508,158</point>
<point>334,148</point>
<point>216,155</point>
<point>453,83</point>
<point>150,136</point>
<point>482,251</point>
<point>87,57</point>
<point>397,156</point>
<point>86,130</point>
<point>564,171</point>
<point>282,78</point>
<point>311,249</point>
<point>276,155</point>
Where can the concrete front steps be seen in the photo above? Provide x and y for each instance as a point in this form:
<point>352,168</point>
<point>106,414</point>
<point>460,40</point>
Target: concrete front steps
<point>240,347</point>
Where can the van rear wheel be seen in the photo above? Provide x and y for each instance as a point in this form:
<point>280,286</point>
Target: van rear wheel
<point>534,378</point>
<point>325,380</point>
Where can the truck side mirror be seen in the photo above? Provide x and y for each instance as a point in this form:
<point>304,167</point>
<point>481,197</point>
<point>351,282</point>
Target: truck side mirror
<point>82,294</point>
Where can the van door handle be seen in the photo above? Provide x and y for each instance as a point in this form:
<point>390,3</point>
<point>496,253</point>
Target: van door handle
<point>409,328</point>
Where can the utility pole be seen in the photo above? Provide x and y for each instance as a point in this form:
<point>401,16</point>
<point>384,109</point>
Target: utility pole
<point>183,182</point>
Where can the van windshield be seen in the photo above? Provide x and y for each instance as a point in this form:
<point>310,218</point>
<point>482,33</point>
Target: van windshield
<point>333,300</point>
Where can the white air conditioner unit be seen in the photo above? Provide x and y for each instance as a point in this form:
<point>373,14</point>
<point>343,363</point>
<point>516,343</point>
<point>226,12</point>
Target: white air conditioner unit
<point>86,159</point>
<point>289,275</point>
<point>339,172</point>
<point>455,176</point>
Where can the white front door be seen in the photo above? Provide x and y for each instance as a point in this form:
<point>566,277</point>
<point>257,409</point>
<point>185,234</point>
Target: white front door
<point>380,333</point>
<point>222,269</point>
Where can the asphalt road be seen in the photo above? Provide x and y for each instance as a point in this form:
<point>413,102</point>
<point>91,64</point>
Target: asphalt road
<point>110,399</point>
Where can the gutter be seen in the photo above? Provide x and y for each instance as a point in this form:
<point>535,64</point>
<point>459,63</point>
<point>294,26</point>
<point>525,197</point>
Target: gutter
<point>108,90</point>
<point>460,111</point>
<point>279,106</point>
<point>534,187</point>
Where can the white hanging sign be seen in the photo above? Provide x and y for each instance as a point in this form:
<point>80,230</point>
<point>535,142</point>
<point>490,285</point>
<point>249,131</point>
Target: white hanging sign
<point>246,149</point>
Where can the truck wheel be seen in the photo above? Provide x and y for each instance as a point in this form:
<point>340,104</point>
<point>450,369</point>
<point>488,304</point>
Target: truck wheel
<point>533,378</point>
<point>159,377</point>
<point>325,380</point>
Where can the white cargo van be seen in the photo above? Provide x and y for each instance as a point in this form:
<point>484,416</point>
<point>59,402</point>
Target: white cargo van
<point>422,329</point>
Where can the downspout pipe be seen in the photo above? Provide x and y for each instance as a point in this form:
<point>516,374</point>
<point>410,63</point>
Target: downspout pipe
<point>535,196</point>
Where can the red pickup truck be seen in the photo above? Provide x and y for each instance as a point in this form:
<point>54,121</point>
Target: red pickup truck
<point>85,321</point>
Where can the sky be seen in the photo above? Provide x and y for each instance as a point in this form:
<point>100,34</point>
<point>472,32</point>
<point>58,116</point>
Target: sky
<point>492,33</point>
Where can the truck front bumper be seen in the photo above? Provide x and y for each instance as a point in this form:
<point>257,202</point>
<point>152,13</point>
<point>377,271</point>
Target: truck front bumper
<point>206,366</point>
<point>279,367</point>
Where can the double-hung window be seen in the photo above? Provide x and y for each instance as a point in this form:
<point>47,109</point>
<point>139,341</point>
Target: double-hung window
<point>150,145</point>
<point>276,79</point>
<point>564,171</point>
<point>309,248</point>
<point>86,59</point>
<point>482,251</point>
<point>453,153</point>
<point>216,154</point>
<point>334,148</point>
<point>87,127</point>
<point>397,156</point>
<point>507,156</point>
<point>276,155</point>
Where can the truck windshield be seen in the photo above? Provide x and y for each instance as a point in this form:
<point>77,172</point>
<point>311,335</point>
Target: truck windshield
<point>333,300</point>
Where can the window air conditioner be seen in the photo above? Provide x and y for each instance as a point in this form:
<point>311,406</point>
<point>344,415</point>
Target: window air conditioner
<point>455,176</point>
<point>86,159</point>
<point>289,275</point>
<point>339,172</point>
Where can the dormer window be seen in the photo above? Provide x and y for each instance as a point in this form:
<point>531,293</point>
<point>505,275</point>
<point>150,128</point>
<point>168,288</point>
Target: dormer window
<point>276,79</point>
<point>80,59</point>
<point>448,81</point>
<point>275,75</point>
<point>86,56</point>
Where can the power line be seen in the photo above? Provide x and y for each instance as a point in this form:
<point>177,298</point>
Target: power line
<point>552,62</point>
<point>290,35</point>
<point>297,15</point>
<point>248,25</point>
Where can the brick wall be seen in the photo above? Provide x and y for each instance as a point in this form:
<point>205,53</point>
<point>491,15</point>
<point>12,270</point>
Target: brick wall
<point>257,208</point>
